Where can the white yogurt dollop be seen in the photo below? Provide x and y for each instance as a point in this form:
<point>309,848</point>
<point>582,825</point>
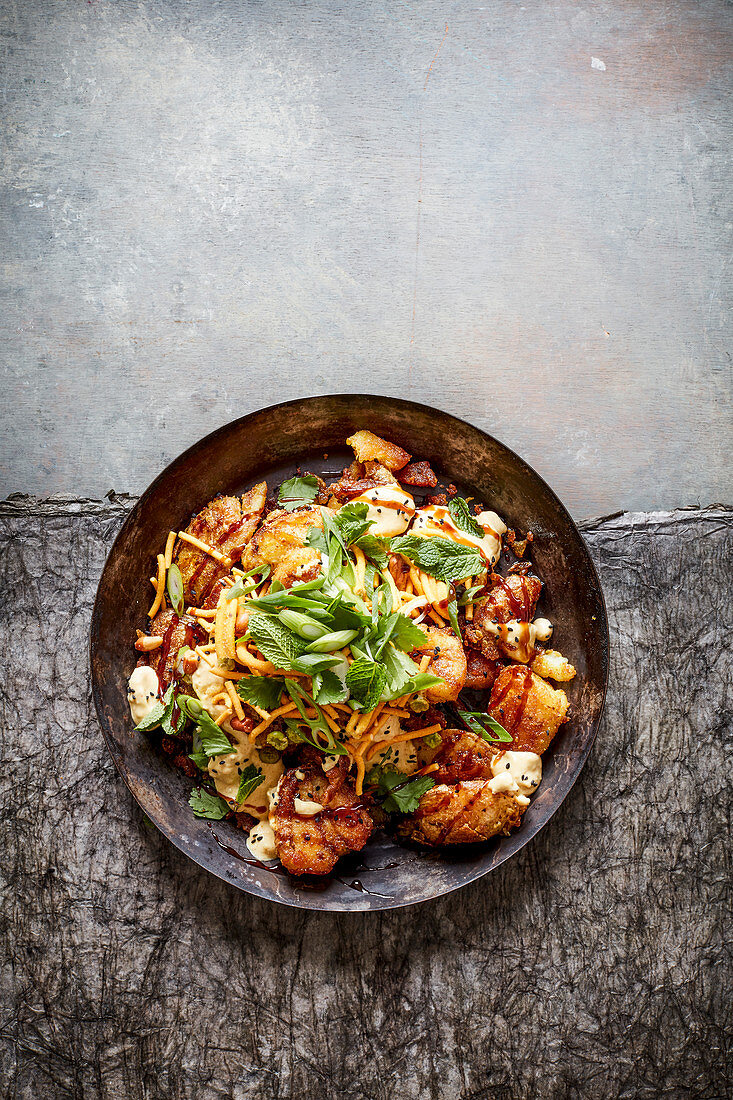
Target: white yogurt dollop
<point>519,773</point>
<point>390,507</point>
<point>261,841</point>
<point>142,692</point>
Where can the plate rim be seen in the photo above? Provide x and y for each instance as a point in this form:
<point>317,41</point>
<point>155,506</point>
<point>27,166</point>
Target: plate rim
<point>244,886</point>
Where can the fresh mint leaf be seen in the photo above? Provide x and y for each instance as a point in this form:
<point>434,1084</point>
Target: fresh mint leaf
<point>297,491</point>
<point>476,720</point>
<point>200,759</point>
<point>365,681</point>
<point>464,521</point>
<point>263,691</point>
<point>374,548</point>
<point>440,558</point>
<point>276,643</point>
<point>208,805</point>
<point>213,740</point>
<point>151,719</point>
<point>249,781</point>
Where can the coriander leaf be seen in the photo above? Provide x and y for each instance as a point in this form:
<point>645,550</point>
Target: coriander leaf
<point>474,720</point>
<point>365,680</point>
<point>400,795</point>
<point>213,741</point>
<point>403,675</point>
<point>406,635</point>
<point>208,805</point>
<point>298,491</point>
<point>351,522</point>
<point>263,691</point>
<point>440,558</point>
<point>275,641</point>
<point>317,540</point>
<point>463,519</point>
<point>331,690</point>
<point>249,781</point>
<point>200,759</point>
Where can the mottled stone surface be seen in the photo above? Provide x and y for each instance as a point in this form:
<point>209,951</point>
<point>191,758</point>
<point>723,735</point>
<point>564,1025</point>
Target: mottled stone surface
<point>208,205</point>
<point>593,964</point>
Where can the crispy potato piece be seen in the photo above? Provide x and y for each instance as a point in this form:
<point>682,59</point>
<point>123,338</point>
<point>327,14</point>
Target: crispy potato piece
<point>279,543</point>
<point>462,814</point>
<point>551,665</point>
<point>420,474</point>
<point>311,845</point>
<point>461,755</point>
<point>448,659</point>
<point>512,597</point>
<point>358,478</point>
<point>225,524</point>
<point>368,446</point>
<point>528,708</point>
<point>481,672</point>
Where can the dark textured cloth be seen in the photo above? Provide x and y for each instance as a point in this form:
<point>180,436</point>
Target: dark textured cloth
<point>592,964</point>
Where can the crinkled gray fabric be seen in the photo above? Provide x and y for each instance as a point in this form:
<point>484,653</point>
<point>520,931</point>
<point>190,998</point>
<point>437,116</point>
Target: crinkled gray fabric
<point>593,964</point>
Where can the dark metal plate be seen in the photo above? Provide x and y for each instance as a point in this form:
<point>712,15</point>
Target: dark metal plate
<point>271,443</point>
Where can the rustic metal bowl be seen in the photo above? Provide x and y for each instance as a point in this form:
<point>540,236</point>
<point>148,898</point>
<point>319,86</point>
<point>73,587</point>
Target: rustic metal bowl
<point>271,443</point>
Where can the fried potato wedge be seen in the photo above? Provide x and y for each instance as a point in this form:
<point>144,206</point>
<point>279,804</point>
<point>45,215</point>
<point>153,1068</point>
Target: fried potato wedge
<point>464,813</point>
<point>528,708</point>
<point>369,447</point>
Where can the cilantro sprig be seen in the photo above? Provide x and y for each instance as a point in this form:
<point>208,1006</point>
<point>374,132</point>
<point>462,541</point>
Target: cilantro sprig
<point>398,794</point>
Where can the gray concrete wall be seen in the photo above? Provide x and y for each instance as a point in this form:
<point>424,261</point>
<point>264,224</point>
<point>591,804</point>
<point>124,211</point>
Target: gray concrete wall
<point>209,206</point>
